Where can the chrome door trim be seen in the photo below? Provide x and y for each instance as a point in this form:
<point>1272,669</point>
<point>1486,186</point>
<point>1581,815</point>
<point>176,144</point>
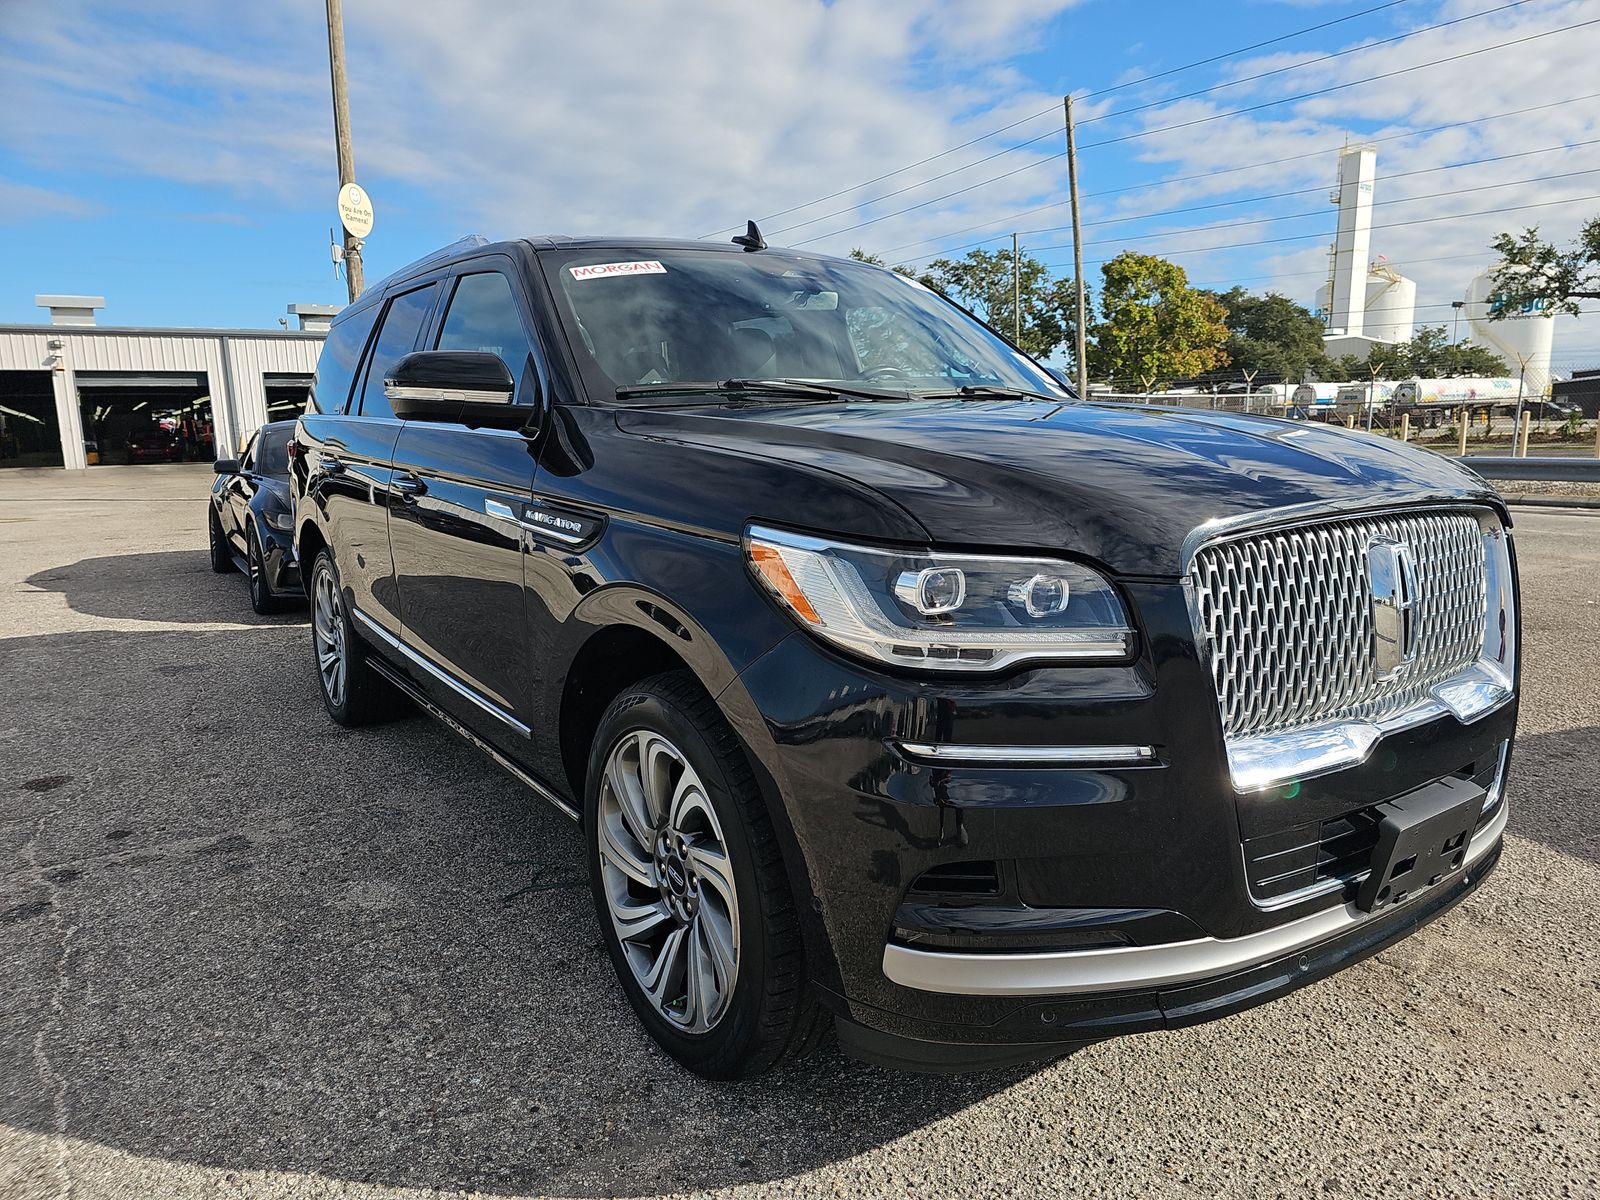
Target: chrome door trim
<point>443,676</point>
<point>528,781</point>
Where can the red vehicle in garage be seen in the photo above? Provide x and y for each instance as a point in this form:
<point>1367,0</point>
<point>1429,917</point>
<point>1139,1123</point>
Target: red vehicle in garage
<point>154,444</point>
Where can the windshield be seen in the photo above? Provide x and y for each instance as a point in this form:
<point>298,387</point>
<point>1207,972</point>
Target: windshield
<point>664,317</point>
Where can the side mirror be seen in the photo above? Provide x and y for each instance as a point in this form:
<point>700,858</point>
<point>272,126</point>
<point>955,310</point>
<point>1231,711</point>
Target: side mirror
<point>463,387</point>
<point>226,466</point>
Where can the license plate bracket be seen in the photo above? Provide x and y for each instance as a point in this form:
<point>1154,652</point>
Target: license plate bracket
<point>1422,841</point>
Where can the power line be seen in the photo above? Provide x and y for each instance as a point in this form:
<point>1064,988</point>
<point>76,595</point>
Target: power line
<point>1322,272</point>
<point>1301,216</point>
<point>1182,125</point>
<point>911,187</point>
<point>1206,62</point>
<point>1339,87</point>
<point>1044,112</point>
<point>1303,237</point>
<point>1300,66</point>
<point>1168,212</point>
<point>1209,175</point>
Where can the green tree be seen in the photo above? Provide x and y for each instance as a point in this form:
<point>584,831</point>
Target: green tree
<point>1534,276</point>
<point>1153,326</point>
<point>1272,336</point>
<point>983,282</point>
<point>1431,355</point>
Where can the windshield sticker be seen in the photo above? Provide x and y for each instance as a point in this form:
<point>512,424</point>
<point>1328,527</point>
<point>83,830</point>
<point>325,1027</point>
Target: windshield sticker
<point>601,270</point>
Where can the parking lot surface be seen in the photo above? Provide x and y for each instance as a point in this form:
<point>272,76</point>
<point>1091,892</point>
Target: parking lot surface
<point>245,952</point>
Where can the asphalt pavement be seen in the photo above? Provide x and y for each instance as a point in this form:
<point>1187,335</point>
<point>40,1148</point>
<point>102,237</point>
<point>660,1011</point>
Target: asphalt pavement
<point>246,953</point>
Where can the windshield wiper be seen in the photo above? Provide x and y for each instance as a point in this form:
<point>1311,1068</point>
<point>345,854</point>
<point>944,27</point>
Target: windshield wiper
<point>769,387</point>
<point>984,391</point>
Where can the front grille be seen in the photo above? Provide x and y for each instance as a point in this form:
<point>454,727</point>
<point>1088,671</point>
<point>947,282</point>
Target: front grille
<point>1287,619</point>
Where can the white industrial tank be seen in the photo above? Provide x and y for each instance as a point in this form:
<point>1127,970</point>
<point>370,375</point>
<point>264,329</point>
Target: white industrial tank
<point>1391,305</point>
<point>1524,337</point>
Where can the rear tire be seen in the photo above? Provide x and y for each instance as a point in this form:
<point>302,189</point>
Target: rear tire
<point>681,847</point>
<point>352,692</point>
<point>221,557</point>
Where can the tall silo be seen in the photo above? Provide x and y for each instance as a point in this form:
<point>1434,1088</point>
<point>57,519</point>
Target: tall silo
<point>1523,339</point>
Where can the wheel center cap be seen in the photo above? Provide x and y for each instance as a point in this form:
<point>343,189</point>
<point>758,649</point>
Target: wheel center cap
<point>677,880</point>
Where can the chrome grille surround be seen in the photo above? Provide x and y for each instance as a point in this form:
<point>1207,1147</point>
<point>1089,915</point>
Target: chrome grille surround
<point>1284,620</point>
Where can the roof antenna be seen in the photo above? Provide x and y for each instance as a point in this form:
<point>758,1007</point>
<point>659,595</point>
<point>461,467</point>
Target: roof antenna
<point>751,239</point>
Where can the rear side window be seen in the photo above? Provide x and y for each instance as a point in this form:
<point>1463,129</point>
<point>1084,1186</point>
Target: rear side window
<point>397,337</point>
<point>336,367</point>
<point>483,316</point>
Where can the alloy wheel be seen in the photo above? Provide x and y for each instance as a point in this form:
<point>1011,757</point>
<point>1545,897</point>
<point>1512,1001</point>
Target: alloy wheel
<point>328,632</point>
<point>668,880</point>
<point>257,576</point>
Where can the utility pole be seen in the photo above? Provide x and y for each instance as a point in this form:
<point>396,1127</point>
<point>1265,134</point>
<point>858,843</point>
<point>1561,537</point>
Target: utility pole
<point>341,133</point>
<point>1016,293</point>
<point>1077,253</point>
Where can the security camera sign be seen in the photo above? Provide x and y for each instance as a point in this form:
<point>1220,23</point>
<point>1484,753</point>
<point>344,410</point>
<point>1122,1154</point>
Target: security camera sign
<point>355,210</point>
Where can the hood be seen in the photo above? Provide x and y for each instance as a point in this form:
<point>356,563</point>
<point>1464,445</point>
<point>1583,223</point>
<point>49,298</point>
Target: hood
<point>1124,484</point>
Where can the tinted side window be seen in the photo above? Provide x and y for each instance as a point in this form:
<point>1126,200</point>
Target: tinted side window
<point>483,316</point>
<point>336,366</point>
<point>397,337</point>
<point>272,452</point>
<point>247,456</point>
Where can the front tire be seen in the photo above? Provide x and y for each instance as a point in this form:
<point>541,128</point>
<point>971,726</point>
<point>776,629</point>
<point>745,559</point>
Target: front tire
<point>221,558</point>
<point>689,885</point>
<point>352,692</point>
<point>261,599</point>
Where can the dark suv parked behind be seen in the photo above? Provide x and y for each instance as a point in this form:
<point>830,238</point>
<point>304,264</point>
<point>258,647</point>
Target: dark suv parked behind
<point>891,685</point>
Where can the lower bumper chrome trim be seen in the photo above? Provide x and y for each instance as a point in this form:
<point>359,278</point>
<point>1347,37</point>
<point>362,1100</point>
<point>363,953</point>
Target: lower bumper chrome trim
<point>1127,968</point>
<point>1074,756</point>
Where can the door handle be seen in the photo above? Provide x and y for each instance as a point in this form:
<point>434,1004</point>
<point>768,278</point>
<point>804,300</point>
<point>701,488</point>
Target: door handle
<point>408,486</point>
<point>331,465</point>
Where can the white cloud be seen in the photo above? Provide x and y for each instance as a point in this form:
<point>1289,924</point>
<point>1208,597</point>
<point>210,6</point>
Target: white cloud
<point>1441,254</point>
<point>22,202</point>
<point>600,115</point>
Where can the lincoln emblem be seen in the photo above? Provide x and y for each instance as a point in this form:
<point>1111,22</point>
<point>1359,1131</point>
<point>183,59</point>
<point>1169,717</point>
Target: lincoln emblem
<point>1392,574</point>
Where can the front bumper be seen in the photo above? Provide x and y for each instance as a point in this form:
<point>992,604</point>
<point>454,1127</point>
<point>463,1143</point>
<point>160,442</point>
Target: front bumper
<point>1128,902</point>
<point>1120,968</point>
<point>282,570</point>
<point>1057,1026</point>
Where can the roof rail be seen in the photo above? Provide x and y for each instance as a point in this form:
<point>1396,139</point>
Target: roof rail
<point>471,242</point>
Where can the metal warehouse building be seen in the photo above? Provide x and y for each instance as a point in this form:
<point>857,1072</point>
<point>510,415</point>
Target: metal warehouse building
<point>74,393</point>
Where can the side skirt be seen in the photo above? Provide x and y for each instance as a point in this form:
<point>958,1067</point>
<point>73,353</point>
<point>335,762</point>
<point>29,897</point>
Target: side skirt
<point>407,689</point>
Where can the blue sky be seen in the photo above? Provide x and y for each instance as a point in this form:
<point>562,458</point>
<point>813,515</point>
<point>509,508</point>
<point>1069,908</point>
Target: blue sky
<point>177,158</point>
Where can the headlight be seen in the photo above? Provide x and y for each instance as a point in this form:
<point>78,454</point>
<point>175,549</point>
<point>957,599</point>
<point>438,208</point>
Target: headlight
<point>936,611</point>
<point>279,519</point>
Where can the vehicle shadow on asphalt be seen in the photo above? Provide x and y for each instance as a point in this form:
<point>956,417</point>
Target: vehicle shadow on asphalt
<point>362,955</point>
<point>171,586</point>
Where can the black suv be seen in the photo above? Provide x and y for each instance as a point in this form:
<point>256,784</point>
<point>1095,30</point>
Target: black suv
<point>891,685</point>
